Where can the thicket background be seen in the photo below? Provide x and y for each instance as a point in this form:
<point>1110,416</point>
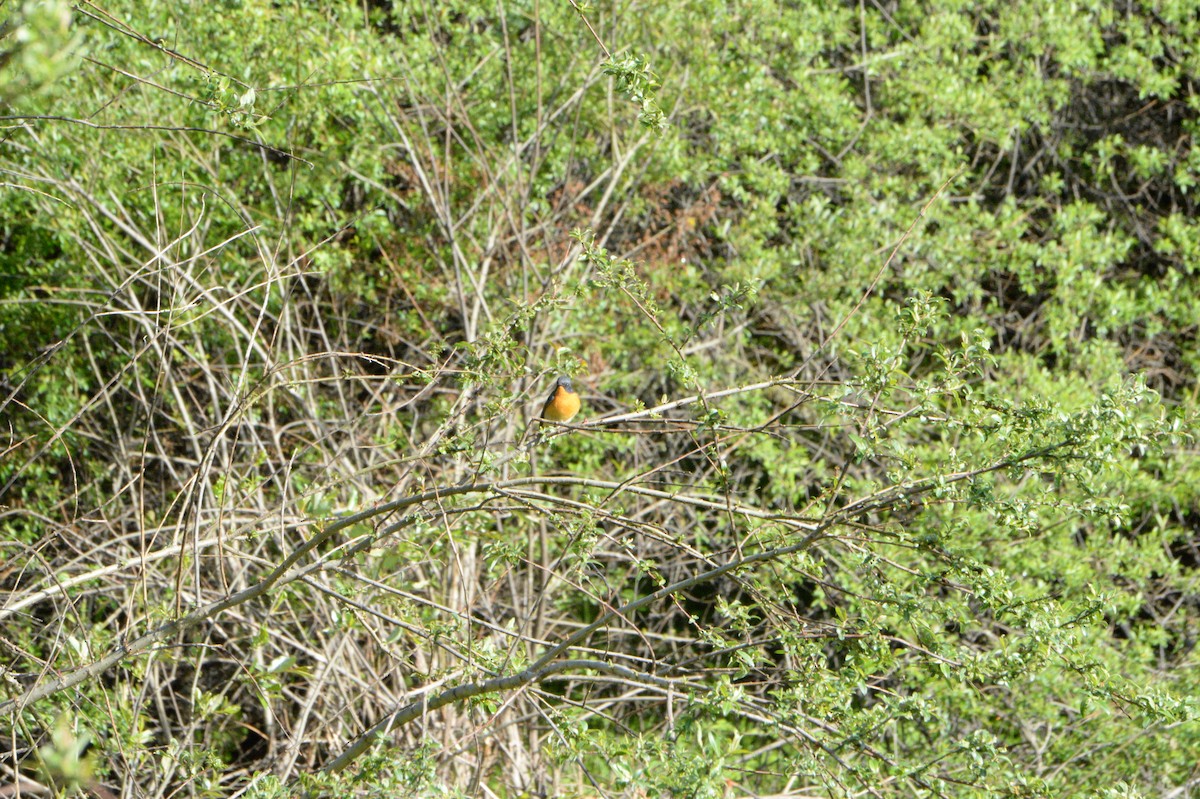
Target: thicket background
<point>886,333</point>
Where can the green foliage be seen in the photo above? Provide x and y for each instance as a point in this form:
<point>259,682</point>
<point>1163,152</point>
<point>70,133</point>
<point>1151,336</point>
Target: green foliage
<point>38,45</point>
<point>638,84</point>
<point>885,327</point>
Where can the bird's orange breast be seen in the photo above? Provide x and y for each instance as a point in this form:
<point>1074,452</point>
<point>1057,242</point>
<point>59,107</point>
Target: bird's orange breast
<point>562,407</point>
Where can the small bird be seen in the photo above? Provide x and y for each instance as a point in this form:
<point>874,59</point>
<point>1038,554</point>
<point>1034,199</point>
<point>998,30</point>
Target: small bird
<point>562,404</point>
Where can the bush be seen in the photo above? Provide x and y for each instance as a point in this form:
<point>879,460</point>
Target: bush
<point>884,323</point>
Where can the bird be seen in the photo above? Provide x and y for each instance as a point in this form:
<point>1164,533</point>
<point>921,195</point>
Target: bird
<point>562,404</point>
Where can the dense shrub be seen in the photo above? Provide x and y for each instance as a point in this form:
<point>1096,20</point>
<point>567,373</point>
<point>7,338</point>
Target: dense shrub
<point>884,317</point>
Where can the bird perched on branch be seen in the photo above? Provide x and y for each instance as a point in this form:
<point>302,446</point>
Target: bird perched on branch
<point>563,403</point>
<point>561,406</point>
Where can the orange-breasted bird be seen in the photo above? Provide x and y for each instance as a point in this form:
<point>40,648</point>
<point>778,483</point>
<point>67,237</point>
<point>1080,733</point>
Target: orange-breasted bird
<point>563,403</point>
